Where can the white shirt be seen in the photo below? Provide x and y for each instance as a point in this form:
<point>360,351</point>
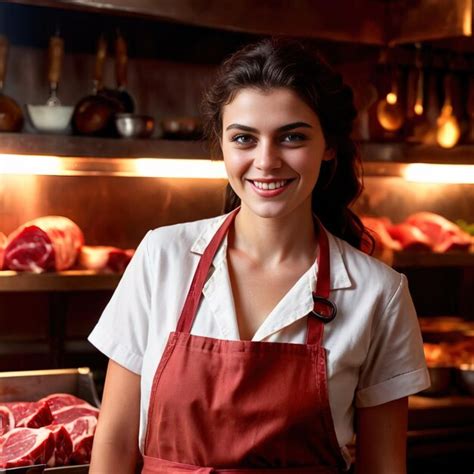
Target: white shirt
<point>374,345</point>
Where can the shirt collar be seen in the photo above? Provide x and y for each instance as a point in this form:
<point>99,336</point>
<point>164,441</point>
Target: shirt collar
<point>339,274</point>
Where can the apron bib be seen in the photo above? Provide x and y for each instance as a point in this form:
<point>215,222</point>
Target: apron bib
<point>242,406</point>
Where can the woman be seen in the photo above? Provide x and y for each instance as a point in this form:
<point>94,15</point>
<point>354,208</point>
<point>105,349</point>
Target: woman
<point>255,341</point>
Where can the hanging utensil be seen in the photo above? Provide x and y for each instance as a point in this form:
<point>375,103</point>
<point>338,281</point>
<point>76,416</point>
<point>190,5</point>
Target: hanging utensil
<point>417,125</point>
<point>389,111</point>
<point>11,117</point>
<point>448,129</point>
<point>120,94</point>
<point>432,109</point>
<point>94,113</point>
<point>52,117</point>
<point>470,108</point>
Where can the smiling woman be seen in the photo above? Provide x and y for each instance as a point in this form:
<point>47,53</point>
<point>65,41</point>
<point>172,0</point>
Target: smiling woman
<point>257,341</point>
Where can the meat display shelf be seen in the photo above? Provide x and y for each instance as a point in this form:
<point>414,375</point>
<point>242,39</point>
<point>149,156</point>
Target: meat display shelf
<point>71,280</point>
<point>428,259</point>
<point>86,280</point>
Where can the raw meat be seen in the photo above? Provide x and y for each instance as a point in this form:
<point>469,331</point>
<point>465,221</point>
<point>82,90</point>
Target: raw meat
<point>444,234</point>
<point>105,259</point>
<point>3,243</point>
<point>45,243</point>
<point>410,237</point>
<point>62,446</point>
<point>61,400</point>
<point>7,421</point>
<point>68,414</point>
<point>377,226</point>
<point>82,433</point>
<point>26,446</point>
<point>30,414</point>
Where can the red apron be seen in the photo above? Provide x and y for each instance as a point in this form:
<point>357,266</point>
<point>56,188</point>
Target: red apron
<point>242,406</point>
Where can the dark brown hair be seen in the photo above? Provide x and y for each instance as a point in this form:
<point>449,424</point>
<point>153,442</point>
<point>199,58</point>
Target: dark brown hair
<point>277,63</point>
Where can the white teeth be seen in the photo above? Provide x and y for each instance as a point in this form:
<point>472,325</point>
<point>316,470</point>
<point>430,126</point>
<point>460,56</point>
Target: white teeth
<point>272,185</point>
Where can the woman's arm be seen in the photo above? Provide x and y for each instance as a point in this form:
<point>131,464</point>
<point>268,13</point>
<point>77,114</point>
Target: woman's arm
<point>381,438</point>
<point>116,439</point>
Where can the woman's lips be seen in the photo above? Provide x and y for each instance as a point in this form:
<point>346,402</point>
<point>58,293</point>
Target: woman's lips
<point>270,187</point>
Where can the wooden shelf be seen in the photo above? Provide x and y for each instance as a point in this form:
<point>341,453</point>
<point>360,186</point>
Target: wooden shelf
<point>85,280</point>
<point>71,280</point>
<point>429,259</point>
<point>95,147</point>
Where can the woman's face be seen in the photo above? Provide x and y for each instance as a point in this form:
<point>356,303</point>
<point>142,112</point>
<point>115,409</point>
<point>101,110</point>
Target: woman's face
<point>273,147</point>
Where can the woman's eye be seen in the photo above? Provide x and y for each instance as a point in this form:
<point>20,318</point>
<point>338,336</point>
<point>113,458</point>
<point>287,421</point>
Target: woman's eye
<point>242,139</point>
<point>293,137</point>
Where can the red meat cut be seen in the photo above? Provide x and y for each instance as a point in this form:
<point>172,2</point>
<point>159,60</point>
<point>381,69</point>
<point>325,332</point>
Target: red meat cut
<point>45,243</point>
<point>102,258</point>
<point>25,447</point>
<point>444,234</point>
<point>377,226</point>
<point>3,243</point>
<point>71,413</point>
<point>82,433</point>
<point>62,446</point>
<point>7,421</point>
<point>410,237</point>
<point>61,400</point>
<point>30,414</point>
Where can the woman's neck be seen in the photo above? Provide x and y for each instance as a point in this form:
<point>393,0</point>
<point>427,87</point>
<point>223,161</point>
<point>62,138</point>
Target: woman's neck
<point>272,241</point>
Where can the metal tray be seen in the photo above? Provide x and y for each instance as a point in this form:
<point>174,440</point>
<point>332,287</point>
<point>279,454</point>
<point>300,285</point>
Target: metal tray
<point>42,469</point>
<point>31,385</point>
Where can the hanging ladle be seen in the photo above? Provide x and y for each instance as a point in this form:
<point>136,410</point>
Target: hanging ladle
<point>448,130</point>
<point>389,112</point>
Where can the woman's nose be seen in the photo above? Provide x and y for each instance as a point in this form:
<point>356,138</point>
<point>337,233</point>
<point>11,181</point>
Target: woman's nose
<point>267,156</point>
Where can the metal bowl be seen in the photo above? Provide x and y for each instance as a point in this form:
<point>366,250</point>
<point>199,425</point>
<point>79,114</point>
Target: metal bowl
<point>181,128</point>
<point>441,381</point>
<point>50,118</point>
<point>134,126</point>
<point>465,377</point>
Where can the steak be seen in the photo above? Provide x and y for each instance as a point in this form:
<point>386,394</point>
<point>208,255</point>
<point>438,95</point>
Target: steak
<point>3,243</point>
<point>82,433</point>
<point>26,446</point>
<point>410,237</point>
<point>67,414</point>
<point>62,446</point>
<point>444,234</point>
<point>30,414</point>
<point>61,400</point>
<point>46,243</point>
<point>105,259</point>
<point>7,421</point>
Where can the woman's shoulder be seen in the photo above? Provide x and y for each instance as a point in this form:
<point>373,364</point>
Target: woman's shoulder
<point>366,271</point>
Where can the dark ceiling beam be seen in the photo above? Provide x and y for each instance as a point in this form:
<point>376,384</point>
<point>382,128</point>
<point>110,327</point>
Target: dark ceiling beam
<point>359,21</point>
<point>343,20</point>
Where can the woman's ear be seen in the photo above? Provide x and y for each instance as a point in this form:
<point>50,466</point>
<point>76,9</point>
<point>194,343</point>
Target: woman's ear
<point>329,154</point>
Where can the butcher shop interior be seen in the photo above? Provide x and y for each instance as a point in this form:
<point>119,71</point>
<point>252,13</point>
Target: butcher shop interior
<point>91,184</point>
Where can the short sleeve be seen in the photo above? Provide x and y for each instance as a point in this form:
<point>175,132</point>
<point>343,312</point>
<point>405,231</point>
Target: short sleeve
<point>395,366</point>
<point>121,332</point>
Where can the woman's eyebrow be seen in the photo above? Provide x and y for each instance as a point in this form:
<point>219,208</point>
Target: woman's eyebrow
<point>284,128</point>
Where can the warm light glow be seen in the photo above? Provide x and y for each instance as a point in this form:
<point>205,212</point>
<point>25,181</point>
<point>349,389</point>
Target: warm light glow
<point>448,133</point>
<point>30,164</point>
<point>168,168</point>
<point>418,109</point>
<point>140,167</point>
<point>431,173</point>
<point>392,98</point>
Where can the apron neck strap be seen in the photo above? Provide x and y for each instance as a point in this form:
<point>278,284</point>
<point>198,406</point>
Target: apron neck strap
<point>189,311</point>
<point>194,294</point>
